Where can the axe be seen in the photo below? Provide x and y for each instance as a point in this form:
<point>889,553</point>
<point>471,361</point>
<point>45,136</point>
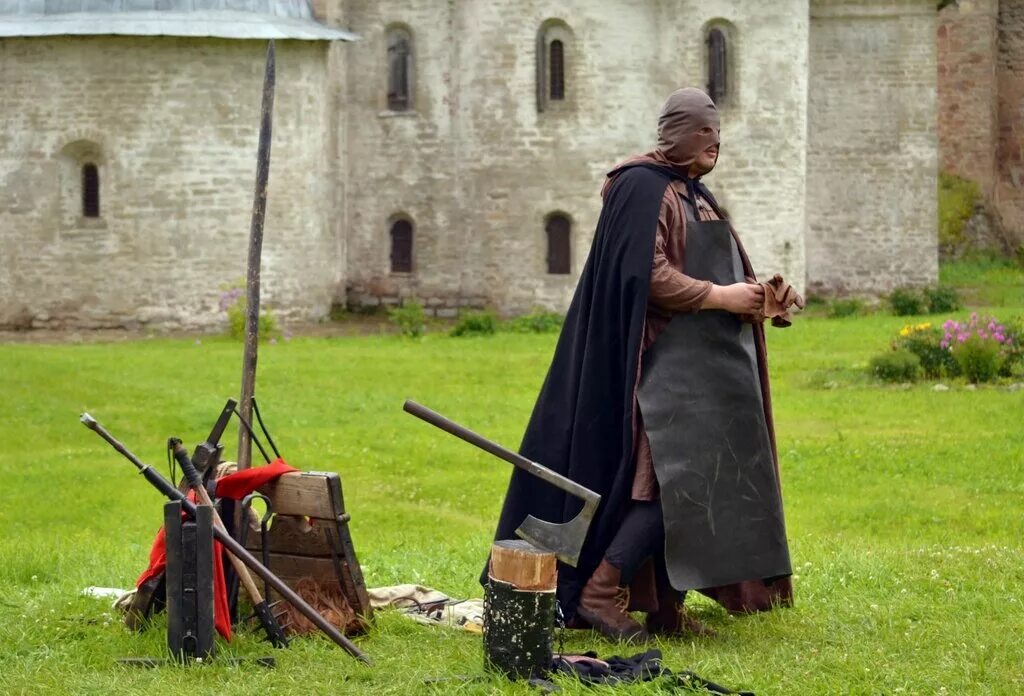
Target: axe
<point>562,539</point>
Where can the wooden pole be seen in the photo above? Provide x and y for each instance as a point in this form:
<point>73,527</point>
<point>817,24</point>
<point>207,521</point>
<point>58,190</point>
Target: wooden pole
<point>252,278</point>
<point>519,609</point>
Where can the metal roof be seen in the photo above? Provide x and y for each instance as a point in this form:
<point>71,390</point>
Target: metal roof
<point>228,19</point>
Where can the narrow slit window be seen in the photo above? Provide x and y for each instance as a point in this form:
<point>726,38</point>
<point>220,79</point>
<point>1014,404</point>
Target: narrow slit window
<point>718,78</point>
<point>401,247</point>
<point>556,64</point>
<point>90,191</point>
<point>399,71</point>
<point>559,234</point>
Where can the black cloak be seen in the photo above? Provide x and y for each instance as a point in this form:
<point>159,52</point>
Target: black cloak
<point>582,425</point>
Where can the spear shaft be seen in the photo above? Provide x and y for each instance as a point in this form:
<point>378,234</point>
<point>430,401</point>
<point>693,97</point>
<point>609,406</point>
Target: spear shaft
<point>252,278</point>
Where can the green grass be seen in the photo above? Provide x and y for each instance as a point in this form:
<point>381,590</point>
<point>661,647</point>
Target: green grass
<point>986,280</point>
<point>903,507</point>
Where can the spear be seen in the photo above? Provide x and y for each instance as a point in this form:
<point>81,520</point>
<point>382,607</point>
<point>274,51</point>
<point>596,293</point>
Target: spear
<point>252,277</point>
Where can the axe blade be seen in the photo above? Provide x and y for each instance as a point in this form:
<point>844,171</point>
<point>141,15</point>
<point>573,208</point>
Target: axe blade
<point>564,539</point>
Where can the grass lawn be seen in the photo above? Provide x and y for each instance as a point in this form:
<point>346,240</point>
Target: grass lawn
<point>904,508</point>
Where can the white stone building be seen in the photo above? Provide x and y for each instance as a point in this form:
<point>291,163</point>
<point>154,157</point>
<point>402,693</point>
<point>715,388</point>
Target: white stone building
<point>453,151</point>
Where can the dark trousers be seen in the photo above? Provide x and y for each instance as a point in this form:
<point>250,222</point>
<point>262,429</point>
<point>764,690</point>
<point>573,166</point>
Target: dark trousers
<point>641,536</point>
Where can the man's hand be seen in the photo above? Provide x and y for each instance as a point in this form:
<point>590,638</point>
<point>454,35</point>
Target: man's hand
<point>738,298</point>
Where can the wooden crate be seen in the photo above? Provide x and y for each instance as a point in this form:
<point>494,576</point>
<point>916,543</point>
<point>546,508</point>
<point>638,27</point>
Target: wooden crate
<point>309,536</point>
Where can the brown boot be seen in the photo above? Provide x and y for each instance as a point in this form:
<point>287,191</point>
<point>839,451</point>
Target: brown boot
<point>672,619</point>
<point>603,605</point>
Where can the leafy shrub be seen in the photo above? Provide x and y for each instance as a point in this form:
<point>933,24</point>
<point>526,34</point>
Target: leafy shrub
<point>896,366</point>
<point>982,348</point>
<point>978,359</point>
<point>906,302</point>
<point>1013,347</point>
<point>409,318</point>
<point>844,308</point>
<point>539,321</point>
<point>476,324</point>
<point>233,301</point>
<point>941,299</point>
<point>957,198</point>
<point>925,341</point>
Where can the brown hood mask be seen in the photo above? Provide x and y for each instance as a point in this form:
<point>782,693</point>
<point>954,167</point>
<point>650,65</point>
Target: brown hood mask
<point>686,111</point>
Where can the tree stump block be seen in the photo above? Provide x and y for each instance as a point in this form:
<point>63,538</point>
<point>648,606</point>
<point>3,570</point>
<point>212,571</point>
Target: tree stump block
<point>519,609</point>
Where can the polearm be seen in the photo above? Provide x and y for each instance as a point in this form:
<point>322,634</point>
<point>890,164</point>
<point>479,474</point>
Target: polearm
<point>168,489</point>
<point>252,277</point>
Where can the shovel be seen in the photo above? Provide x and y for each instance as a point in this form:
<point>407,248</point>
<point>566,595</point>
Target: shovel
<point>562,539</point>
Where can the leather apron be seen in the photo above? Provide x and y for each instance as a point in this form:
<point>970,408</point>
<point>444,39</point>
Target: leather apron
<point>700,397</point>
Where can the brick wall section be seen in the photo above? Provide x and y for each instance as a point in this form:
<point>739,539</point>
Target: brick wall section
<point>177,122</point>
<point>981,102</point>
<point>478,168</point>
<point>1009,194</point>
<point>872,149</point>
<point>967,89</point>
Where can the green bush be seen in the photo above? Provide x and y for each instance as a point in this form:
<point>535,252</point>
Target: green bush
<point>1013,350</point>
<point>906,302</point>
<point>941,299</point>
<point>957,198</point>
<point>847,307</point>
<point>979,360</point>
<point>234,303</point>
<point>409,318</point>
<point>539,321</point>
<point>924,341</point>
<point>476,324</point>
<point>896,366</point>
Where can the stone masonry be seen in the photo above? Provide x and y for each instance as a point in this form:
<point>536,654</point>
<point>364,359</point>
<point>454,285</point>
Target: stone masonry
<point>981,102</point>
<point>173,124</point>
<point>478,168</point>
<point>871,163</point>
<point>827,169</point>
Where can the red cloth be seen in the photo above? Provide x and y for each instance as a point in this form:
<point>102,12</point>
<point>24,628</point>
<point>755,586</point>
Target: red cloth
<point>241,483</point>
<point>235,486</point>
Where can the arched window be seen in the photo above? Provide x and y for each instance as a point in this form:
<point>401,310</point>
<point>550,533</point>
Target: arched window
<point>559,234</point>
<point>399,69</point>
<point>718,65</point>
<point>556,70</point>
<point>554,64</point>
<point>401,246</point>
<point>90,190</point>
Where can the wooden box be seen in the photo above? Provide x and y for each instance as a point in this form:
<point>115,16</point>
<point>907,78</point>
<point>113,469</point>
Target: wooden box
<point>309,535</point>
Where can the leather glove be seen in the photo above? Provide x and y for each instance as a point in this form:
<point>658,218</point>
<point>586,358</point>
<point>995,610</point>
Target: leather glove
<point>779,296</point>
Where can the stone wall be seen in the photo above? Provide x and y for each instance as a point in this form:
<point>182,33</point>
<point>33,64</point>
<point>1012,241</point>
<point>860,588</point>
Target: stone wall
<point>981,105</point>
<point>967,89</point>
<point>478,168</point>
<point>872,150</point>
<point>827,167</point>
<point>172,125</point>
<point>1009,193</point>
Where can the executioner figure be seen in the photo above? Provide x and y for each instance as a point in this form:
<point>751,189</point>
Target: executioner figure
<point>657,398</point>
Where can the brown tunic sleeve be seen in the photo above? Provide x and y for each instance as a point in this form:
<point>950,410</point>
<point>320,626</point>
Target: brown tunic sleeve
<point>671,289</point>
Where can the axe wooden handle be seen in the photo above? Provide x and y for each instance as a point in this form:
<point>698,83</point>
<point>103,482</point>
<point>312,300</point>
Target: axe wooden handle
<point>542,472</point>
